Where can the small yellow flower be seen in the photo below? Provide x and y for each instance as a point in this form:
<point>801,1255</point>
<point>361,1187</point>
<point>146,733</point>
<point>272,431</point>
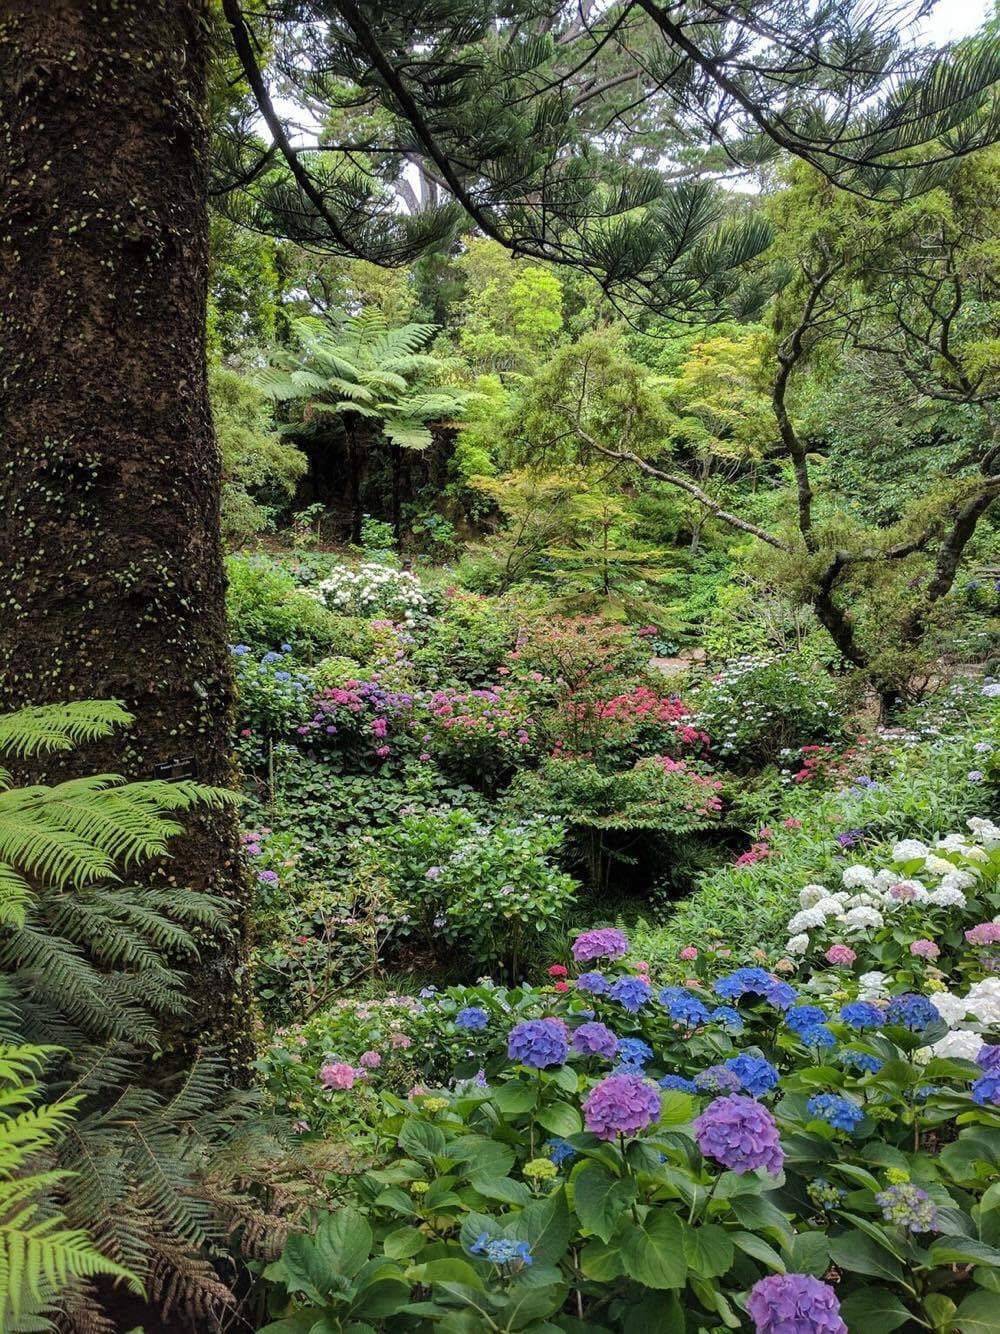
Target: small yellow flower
<point>541,1168</point>
<point>896,1176</point>
<point>934,984</point>
<point>419,1187</point>
<point>434,1104</point>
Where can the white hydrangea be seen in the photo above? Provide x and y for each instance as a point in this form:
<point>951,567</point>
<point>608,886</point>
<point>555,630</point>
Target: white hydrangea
<point>872,986</point>
<point>946,896</point>
<point>856,876</point>
<point>984,1001</point>
<point>856,920</point>
<point>797,944</point>
<point>863,901</point>
<point>950,1007</point>
<point>806,920</point>
<point>885,879</point>
<point>938,865</point>
<point>976,854</point>
<point>810,895</point>
<point>909,850</point>
<point>985,831</point>
<point>831,906</point>
<point>374,590</point>
<point>959,1045</point>
<point>958,880</point>
<point>953,843</point>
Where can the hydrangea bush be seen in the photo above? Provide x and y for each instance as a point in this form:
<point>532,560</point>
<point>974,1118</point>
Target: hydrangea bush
<point>374,589</point>
<point>772,1145</point>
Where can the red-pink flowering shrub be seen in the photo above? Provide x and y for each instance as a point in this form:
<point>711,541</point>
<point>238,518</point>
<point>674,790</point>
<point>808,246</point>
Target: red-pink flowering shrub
<point>479,735</point>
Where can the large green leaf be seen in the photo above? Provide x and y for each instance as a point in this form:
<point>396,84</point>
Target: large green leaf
<point>874,1310</point>
<point>600,1199</point>
<point>653,1252</point>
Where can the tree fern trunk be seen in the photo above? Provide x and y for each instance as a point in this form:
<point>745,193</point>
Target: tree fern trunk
<point>111,577</point>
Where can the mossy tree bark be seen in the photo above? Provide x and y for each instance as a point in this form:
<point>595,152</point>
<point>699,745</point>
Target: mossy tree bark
<point>111,575</point>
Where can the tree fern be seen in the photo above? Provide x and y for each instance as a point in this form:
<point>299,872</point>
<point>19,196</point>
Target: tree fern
<point>40,1254</point>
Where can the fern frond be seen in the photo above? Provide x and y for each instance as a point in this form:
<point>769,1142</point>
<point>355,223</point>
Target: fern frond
<point>59,727</point>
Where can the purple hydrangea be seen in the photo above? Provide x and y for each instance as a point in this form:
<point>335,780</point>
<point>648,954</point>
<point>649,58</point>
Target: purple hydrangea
<point>988,1058</point>
<point>631,992</point>
<point>908,1206</point>
<point>683,1007</point>
<point>913,1011</point>
<point>596,984</point>
<point>741,1134</point>
<point>594,1040</point>
<point>756,1075</point>
<point>473,1018</point>
<point>862,1014</point>
<point>605,943</point>
<point>986,1091</point>
<point>717,1079</point>
<point>538,1043</point>
<point>836,1111</point>
<point>794,1304</point>
<point>621,1105</point>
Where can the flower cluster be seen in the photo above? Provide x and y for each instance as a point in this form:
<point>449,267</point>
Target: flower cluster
<point>374,590</point>
<point>622,1104</point>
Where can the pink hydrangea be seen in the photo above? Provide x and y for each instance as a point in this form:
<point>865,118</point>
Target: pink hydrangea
<point>400,1041</point>
<point>840,955</point>
<point>924,949</point>
<point>337,1075</point>
<point>688,953</point>
<point>984,933</point>
<point>371,1060</point>
<point>904,892</point>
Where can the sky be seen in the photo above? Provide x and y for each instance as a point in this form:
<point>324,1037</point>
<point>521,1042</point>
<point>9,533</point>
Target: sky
<point>952,19</point>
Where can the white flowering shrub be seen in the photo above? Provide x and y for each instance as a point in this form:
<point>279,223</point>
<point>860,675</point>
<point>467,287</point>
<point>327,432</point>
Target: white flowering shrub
<point>757,707</point>
<point>375,590</point>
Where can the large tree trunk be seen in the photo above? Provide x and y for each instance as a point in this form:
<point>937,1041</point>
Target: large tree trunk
<point>111,576</point>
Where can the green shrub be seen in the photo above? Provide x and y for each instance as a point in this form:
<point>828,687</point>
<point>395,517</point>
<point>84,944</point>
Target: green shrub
<point>467,642</point>
<point>266,609</point>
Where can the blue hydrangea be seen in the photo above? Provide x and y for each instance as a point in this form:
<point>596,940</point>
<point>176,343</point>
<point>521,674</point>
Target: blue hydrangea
<point>730,1019</point>
<point>683,1007</point>
<point>986,1090</point>
<point>560,1151</point>
<point>836,1111</point>
<point>862,1014</point>
<point>633,1053</point>
<point>861,1060</point>
<point>802,1017</point>
<point>678,1082</point>
<point>594,983</point>
<point>818,1036</point>
<point>630,992</point>
<point>501,1250</point>
<point>472,1018</point>
<point>239,650</point>
<point>756,1075</point>
<point>912,1011</point>
<point>755,982</point>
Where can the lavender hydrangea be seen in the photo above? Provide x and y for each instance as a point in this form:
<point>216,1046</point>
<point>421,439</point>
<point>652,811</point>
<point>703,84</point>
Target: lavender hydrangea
<point>605,943</point>
<point>594,1040</point>
<point>683,1007</point>
<point>794,1304</point>
<point>621,1105</point>
<point>912,1011</point>
<point>988,1058</point>
<point>630,992</point>
<point>756,1075</point>
<point>717,1079</point>
<point>473,1018</point>
<point>836,1111</point>
<point>595,984</point>
<point>908,1207</point>
<point>538,1043</point>
<point>741,1134</point>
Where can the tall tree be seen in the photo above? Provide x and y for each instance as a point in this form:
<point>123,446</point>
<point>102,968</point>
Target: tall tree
<point>110,554</point>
